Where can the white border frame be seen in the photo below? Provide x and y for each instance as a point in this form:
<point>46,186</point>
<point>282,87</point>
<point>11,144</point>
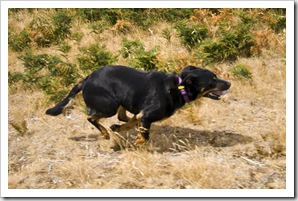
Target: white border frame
<point>288,192</point>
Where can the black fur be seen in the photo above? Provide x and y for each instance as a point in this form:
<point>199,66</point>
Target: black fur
<point>154,94</point>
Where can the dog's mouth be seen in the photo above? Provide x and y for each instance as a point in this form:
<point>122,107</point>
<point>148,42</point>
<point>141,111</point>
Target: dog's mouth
<point>215,94</point>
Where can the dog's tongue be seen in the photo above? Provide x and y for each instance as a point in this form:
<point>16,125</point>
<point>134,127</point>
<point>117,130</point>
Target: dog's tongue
<point>220,93</point>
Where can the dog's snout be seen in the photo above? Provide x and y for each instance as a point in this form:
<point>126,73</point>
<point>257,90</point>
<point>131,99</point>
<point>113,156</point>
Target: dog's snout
<point>223,84</point>
<point>228,84</point>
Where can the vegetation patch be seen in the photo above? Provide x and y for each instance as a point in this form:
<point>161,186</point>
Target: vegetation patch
<point>94,56</point>
<point>137,56</point>
<point>47,73</point>
<point>241,71</point>
<point>191,33</point>
<point>210,36</point>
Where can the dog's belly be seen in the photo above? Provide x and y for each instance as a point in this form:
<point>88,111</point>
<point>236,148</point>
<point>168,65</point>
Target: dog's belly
<point>132,109</point>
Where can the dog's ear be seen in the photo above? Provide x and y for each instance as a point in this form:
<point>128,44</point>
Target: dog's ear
<point>190,79</point>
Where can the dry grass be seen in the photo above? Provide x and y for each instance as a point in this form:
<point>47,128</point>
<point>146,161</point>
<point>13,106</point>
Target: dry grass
<point>237,142</point>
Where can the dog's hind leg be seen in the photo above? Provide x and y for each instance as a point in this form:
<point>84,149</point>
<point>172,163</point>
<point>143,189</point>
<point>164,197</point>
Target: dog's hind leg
<point>94,120</point>
<point>122,114</point>
<point>127,126</point>
<point>130,122</point>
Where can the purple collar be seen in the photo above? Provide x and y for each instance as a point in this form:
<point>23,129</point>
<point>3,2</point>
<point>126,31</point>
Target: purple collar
<point>182,90</point>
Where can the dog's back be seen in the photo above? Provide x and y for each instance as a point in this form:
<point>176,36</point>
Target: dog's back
<point>130,87</point>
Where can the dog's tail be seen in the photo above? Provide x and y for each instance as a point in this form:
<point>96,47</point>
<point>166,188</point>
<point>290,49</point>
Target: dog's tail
<point>58,109</point>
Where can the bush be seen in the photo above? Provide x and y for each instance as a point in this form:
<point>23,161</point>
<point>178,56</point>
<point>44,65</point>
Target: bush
<point>20,41</point>
<point>48,31</point>
<point>276,19</point>
<point>98,26</point>
<point>191,33</point>
<point>46,72</point>
<point>14,77</point>
<point>167,34</point>
<point>64,47</point>
<point>138,56</point>
<point>146,60</point>
<point>94,56</point>
<point>146,17</point>
<point>62,25</point>
<point>174,14</point>
<point>141,17</point>
<point>241,71</point>
<point>109,15</point>
<point>231,44</point>
<point>130,47</point>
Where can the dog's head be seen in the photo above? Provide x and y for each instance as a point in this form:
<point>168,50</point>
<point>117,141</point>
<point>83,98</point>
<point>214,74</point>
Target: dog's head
<point>201,82</point>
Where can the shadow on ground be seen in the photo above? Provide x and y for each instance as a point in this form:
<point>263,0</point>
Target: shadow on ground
<point>171,138</point>
<point>168,138</point>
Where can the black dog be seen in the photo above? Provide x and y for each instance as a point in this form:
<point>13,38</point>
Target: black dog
<point>153,95</point>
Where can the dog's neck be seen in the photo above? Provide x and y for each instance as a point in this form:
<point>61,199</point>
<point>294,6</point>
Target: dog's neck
<point>182,90</point>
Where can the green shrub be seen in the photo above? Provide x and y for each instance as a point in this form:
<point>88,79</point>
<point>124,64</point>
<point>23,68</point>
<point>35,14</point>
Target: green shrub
<point>146,60</point>
<point>64,47</point>
<point>94,56</point>
<point>174,14</point>
<point>91,14</point>
<point>53,30</point>
<point>57,81</point>
<point>231,44</point>
<point>167,34</point>
<point>34,64</point>
<point>62,24</point>
<point>191,33</point>
<point>130,47</point>
<point>241,71</point>
<point>98,26</point>
<point>77,36</point>
<point>146,17</point>
<point>19,41</point>
<point>109,15</point>
<point>45,32</point>
<point>43,65</point>
<point>274,18</point>
<point>278,24</point>
<point>14,77</point>
<point>46,72</point>
<point>137,56</point>
<point>141,17</point>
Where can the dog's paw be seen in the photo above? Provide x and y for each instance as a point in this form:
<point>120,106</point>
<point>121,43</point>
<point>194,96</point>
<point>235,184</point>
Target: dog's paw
<point>139,140</point>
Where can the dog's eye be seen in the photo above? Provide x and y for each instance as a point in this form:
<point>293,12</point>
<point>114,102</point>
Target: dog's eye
<point>214,78</point>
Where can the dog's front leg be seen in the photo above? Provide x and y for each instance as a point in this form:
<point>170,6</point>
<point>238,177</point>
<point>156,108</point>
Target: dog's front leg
<point>143,136</point>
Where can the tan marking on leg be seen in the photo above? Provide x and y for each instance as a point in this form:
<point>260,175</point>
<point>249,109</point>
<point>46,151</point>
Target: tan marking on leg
<point>129,125</point>
<point>140,137</point>
<point>100,127</point>
<point>139,117</point>
<point>140,140</point>
<point>122,114</point>
<point>105,132</point>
